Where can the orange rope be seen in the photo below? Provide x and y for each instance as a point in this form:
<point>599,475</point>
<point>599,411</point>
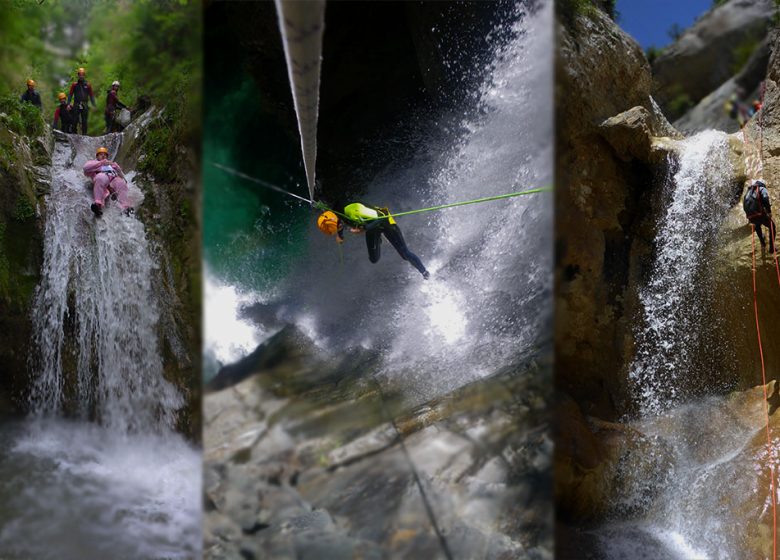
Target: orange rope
<point>758,328</point>
<point>766,400</point>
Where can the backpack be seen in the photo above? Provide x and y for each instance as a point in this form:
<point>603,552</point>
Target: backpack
<point>751,204</point>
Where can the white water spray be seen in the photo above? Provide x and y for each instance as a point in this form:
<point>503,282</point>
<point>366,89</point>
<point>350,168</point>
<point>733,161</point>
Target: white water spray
<point>672,307</point>
<point>96,302</point>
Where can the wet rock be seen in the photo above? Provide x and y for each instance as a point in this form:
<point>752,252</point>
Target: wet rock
<point>634,135</point>
<point>734,258</point>
<point>605,469</point>
<point>606,169</point>
<point>323,472</point>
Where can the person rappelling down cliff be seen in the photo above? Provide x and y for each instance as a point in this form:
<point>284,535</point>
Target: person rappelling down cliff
<point>108,181</point>
<point>374,222</point>
<point>758,211</point>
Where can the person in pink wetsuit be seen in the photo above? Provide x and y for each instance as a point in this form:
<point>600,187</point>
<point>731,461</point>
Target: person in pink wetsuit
<point>108,181</point>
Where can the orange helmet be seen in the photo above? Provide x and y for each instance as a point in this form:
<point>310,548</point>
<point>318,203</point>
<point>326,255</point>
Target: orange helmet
<point>31,83</point>
<point>328,223</point>
<point>101,150</point>
<point>61,96</point>
<point>81,72</point>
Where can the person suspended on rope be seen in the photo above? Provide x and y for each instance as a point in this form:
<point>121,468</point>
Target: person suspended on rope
<point>362,218</point>
<point>112,103</point>
<point>758,211</point>
<point>65,115</point>
<point>81,94</point>
<point>31,96</point>
<point>108,181</point>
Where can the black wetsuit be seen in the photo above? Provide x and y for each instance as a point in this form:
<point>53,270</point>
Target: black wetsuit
<point>375,229</point>
<point>762,217</point>
<point>32,96</point>
<point>81,94</point>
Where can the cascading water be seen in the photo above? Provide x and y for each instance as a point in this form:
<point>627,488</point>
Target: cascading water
<point>674,298</point>
<point>708,452</point>
<point>487,302</point>
<point>127,486</point>
<point>105,266</point>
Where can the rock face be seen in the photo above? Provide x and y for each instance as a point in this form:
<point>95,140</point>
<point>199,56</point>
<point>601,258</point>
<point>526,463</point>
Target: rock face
<point>735,258</point>
<point>307,456</point>
<point>703,57</point>
<point>24,162</point>
<point>609,149</point>
<point>710,113</point>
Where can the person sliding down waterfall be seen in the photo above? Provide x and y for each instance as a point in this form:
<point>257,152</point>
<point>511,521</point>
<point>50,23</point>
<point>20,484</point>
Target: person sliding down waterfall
<point>366,219</point>
<point>758,211</point>
<point>108,180</point>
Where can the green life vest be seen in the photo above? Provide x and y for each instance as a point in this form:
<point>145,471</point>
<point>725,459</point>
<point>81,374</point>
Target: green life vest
<point>360,213</point>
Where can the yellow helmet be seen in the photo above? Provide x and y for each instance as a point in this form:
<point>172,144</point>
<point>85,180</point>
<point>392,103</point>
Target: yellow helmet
<point>31,83</point>
<point>61,96</point>
<point>101,150</point>
<point>328,223</point>
<point>81,72</point>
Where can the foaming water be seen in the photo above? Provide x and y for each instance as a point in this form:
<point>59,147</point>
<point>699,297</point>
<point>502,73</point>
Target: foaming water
<point>488,300</point>
<point>227,337</point>
<point>674,299</point>
<point>72,490</point>
<point>710,496</point>
<point>115,481</point>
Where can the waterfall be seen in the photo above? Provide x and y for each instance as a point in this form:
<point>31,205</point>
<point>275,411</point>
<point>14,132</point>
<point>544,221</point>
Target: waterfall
<point>488,301</point>
<point>97,470</point>
<point>674,299</point>
<point>96,303</point>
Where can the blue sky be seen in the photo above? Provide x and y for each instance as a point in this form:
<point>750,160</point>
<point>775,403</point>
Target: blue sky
<point>649,20</point>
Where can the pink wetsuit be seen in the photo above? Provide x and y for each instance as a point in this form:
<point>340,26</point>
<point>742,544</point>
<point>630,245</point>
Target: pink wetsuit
<point>105,174</point>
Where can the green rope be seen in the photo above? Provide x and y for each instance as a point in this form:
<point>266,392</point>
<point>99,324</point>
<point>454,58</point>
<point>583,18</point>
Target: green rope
<point>323,206</point>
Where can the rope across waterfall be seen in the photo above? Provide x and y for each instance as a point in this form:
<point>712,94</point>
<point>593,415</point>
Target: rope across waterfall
<point>318,205</point>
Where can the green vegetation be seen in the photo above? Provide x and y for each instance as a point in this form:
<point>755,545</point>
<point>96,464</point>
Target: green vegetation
<point>653,53</point>
<point>679,105</point>
<point>742,53</point>
<point>21,118</point>
<point>153,47</point>
<point>568,10</point>
<point>716,3</point>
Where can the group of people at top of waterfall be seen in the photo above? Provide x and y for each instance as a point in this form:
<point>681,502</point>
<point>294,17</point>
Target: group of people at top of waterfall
<point>73,108</point>
<point>737,107</point>
<point>108,180</point>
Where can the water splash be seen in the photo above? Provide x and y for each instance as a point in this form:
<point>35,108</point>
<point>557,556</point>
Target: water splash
<point>488,299</point>
<point>96,303</point>
<point>674,299</point>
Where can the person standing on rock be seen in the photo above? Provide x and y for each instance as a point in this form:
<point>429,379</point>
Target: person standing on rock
<point>108,181</point>
<point>112,103</point>
<point>65,115</point>
<point>758,211</point>
<point>81,94</point>
<point>32,96</point>
<point>361,218</point>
